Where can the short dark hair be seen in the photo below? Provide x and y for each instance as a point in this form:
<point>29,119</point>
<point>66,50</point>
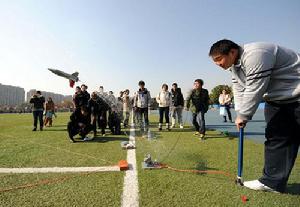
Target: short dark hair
<point>174,84</point>
<point>39,92</point>
<point>200,81</point>
<point>84,86</point>
<point>141,83</point>
<point>222,47</point>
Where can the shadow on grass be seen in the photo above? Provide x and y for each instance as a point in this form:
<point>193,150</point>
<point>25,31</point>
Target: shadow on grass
<point>54,130</point>
<point>61,125</point>
<point>107,139</point>
<point>293,189</point>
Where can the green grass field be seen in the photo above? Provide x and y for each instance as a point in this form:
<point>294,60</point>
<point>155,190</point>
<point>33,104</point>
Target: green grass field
<point>20,147</point>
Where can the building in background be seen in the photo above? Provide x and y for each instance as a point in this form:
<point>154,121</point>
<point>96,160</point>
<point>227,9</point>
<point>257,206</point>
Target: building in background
<point>11,95</point>
<point>57,98</point>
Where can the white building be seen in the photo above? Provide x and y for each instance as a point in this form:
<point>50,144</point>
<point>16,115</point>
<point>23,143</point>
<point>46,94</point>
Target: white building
<point>57,98</point>
<point>11,95</point>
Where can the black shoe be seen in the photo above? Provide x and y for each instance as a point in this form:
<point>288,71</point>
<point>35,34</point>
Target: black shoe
<point>41,129</point>
<point>34,129</point>
<point>159,129</point>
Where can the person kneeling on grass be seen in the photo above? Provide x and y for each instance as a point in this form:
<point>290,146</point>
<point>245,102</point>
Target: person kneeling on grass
<point>80,124</point>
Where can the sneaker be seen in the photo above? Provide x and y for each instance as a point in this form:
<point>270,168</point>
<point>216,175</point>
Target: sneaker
<point>172,126</point>
<point>34,129</point>
<point>256,185</point>
<point>202,137</point>
<point>160,129</point>
<point>181,126</point>
<point>87,139</point>
<point>72,140</point>
<point>197,133</point>
<point>103,135</point>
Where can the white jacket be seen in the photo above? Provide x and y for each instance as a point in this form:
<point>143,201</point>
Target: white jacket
<point>164,99</point>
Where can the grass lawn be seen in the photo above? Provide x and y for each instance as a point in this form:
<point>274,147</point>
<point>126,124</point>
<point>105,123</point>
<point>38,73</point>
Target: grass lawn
<point>20,147</point>
<point>181,149</point>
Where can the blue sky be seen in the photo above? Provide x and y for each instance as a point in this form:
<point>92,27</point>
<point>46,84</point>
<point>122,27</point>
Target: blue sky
<point>116,43</point>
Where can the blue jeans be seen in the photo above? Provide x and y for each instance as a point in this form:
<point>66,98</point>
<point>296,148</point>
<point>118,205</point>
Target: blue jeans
<point>199,122</point>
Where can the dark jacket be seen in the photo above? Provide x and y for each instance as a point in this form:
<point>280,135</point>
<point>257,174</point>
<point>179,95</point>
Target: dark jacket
<point>97,106</point>
<point>38,102</point>
<point>103,106</point>
<point>77,117</point>
<point>198,100</point>
<point>93,106</point>
<point>78,99</point>
<point>177,97</point>
<point>86,97</point>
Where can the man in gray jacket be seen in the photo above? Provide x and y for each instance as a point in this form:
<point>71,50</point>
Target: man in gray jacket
<point>263,71</point>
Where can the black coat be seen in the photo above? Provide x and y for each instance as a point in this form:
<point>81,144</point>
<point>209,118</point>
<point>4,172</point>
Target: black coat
<point>77,117</point>
<point>38,102</point>
<point>177,97</point>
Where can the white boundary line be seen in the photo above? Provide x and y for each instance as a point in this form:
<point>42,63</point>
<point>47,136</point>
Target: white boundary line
<point>60,169</point>
<point>130,195</point>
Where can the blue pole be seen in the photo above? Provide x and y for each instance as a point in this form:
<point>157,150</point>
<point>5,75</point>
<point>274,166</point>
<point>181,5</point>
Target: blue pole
<point>240,153</point>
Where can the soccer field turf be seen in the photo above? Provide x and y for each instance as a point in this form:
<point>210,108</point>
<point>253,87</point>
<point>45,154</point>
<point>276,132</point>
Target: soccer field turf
<point>20,147</point>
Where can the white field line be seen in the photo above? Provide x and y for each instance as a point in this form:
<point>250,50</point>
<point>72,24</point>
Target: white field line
<point>130,197</point>
<point>60,169</point>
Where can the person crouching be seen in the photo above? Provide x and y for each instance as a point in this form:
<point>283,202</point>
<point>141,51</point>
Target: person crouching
<point>80,124</point>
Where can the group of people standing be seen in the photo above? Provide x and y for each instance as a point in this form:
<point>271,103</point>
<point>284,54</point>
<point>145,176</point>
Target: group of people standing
<point>91,110</point>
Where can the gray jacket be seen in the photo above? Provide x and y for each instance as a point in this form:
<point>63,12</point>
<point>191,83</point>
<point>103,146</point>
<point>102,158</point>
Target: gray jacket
<point>142,99</point>
<point>265,71</point>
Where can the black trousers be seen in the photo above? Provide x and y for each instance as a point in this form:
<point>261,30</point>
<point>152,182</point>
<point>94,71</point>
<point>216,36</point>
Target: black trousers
<point>38,115</point>
<point>74,129</point>
<point>227,108</point>
<point>199,122</point>
<point>164,111</point>
<point>282,144</point>
<point>102,121</point>
<point>114,122</point>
